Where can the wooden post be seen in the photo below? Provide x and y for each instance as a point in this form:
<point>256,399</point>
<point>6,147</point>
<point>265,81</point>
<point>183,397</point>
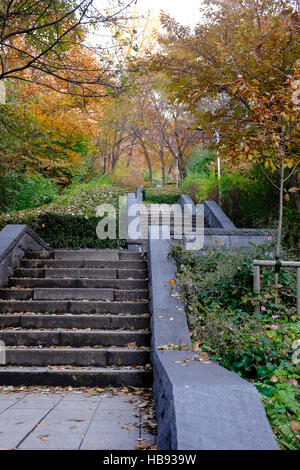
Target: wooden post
<point>256,279</point>
<point>256,283</point>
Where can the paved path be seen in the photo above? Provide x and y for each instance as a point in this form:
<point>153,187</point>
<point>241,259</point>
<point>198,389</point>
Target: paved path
<point>73,420</point>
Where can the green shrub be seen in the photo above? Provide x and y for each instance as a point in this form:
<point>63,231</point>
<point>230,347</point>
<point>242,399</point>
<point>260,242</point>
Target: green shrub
<point>70,221</point>
<point>249,200</point>
<point>19,192</point>
<point>200,187</point>
<point>164,195</point>
<point>198,164</point>
<point>100,181</point>
<point>248,334</point>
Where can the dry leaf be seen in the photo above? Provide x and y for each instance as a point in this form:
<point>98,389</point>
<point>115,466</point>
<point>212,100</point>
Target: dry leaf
<point>295,426</point>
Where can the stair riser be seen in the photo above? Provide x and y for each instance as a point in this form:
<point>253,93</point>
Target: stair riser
<point>95,358</point>
<point>74,321</point>
<point>74,307</point>
<point>90,294</point>
<point>88,306</point>
<point>73,339</point>
<point>81,273</point>
<point>76,379</point>
<point>122,255</point>
<point>68,264</point>
<point>120,284</point>
<point>95,255</point>
<point>16,294</point>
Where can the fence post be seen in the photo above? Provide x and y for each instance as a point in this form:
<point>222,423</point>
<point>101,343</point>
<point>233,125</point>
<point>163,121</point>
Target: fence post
<point>256,283</point>
<point>256,279</point>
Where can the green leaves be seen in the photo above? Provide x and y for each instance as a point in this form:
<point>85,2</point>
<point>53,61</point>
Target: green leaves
<point>217,289</point>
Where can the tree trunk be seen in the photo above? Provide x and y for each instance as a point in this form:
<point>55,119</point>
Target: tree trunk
<point>296,194</point>
<point>280,222</point>
<point>163,168</point>
<point>280,219</point>
<point>148,160</point>
<point>150,169</point>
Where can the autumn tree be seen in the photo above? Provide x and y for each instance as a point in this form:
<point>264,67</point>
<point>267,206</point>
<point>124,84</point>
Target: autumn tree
<point>243,58</point>
<point>36,37</point>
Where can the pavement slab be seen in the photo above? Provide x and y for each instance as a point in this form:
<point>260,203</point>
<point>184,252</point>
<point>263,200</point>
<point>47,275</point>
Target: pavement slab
<point>108,419</point>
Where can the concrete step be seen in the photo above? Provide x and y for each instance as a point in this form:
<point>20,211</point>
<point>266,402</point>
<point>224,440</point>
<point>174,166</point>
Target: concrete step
<point>76,377</point>
<point>89,321</point>
<point>16,294</point>
<point>121,284</point>
<point>81,273</point>
<point>76,307</point>
<point>74,339</point>
<point>91,254</point>
<point>76,356</point>
<point>57,263</point>
<point>110,322</point>
<point>89,294</point>
<point>96,255</point>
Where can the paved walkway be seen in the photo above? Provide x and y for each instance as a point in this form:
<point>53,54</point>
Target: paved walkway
<point>110,420</point>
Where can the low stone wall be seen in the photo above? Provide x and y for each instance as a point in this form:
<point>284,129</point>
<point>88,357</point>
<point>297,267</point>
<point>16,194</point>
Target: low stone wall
<point>236,238</point>
<point>215,216</point>
<point>187,203</point>
<point>222,231</point>
<point>14,241</point>
<point>199,405</point>
<point>133,219</point>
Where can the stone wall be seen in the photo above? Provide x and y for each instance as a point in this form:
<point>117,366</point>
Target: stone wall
<point>15,240</point>
<point>199,405</point>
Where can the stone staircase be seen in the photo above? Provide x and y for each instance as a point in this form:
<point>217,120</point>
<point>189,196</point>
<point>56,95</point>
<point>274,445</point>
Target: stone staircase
<point>175,221</point>
<point>77,318</point>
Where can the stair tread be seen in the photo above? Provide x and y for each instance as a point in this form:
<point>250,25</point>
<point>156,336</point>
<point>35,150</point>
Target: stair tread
<point>81,349</point>
<point>75,369</point>
<point>68,330</point>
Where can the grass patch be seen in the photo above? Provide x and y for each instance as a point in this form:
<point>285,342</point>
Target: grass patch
<point>220,306</point>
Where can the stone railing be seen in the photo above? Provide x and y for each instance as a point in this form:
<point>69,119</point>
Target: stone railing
<point>199,404</point>
<point>15,240</point>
